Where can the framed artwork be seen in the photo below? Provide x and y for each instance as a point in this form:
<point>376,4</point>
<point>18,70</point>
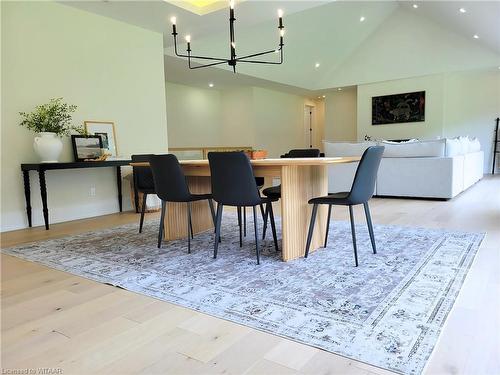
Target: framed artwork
<point>86,147</point>
<point>105,130</point>
<point>398,108</point>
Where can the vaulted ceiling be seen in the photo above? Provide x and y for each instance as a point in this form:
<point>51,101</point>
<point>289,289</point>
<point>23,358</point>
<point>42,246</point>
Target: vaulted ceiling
<point>352,41</point>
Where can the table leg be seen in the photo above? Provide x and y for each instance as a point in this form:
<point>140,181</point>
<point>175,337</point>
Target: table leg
<point>119,186</point>
<point>202,219</point>
<point>43,193</point>
<point>298,185</point>
<point>27,195</point>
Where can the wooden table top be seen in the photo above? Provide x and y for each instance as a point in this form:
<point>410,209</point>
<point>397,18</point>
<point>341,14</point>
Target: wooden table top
<point>272,162</point>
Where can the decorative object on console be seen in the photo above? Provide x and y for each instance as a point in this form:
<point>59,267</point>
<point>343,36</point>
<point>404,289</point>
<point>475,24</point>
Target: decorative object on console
<point>86,147</point>
<point>233,60</point>
<point>258,154</point>
<point>51,121</point>
<point>398,108</point>
<point>105,130</point>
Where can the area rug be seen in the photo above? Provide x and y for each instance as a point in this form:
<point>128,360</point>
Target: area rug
<point>388,312</point>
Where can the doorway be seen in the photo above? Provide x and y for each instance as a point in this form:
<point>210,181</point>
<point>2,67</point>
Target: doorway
<point>309,127</point>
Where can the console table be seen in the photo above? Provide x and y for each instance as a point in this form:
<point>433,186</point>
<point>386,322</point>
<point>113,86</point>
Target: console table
<point>42,167</point>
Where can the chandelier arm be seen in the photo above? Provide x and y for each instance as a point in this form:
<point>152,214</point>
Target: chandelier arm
<point>206,65</point>
<point>265,62</point>
<point>195,57</point>
<point>257,54</point>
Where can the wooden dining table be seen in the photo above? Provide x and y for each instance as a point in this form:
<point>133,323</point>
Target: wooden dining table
<point>301,180</point>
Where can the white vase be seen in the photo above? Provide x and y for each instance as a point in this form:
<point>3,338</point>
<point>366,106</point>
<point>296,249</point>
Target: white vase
<point>48,147</point>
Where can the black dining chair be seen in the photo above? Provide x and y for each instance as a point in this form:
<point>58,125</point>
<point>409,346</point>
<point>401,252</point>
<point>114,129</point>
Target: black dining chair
<point>143,183</point>
<point>242,211</point>
<point>274,192</point>
<point>171,186</point>
<point>361,192</point>
<point>233,184</point>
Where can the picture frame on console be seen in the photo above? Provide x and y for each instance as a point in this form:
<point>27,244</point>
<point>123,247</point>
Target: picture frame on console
<point>105,130</point>
<point>86,147</point>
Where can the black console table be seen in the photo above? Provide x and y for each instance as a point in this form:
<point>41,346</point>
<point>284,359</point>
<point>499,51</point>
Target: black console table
<point>42,167</point>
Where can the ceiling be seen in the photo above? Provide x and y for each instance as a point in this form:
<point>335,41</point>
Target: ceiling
<point>324,32</point>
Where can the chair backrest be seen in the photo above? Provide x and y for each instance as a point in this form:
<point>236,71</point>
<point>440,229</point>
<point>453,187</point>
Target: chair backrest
<point>233,181</point>
<point>302,153</point>
<point>363,185</point>
<point>143,177</point>
<point>170,182</point>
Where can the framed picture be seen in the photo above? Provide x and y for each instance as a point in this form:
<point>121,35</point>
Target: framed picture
<point>398,108</point>
<point>86,147</point>
<point>105,130</point>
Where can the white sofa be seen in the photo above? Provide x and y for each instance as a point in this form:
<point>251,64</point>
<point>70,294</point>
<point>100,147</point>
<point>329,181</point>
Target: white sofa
<point>425,169</point>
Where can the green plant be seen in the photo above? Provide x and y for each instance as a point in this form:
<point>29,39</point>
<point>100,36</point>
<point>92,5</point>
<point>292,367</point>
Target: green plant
<point>54,116</point>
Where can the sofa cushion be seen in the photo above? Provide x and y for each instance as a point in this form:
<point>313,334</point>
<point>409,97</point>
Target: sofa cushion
<point>414,149</point>
<point>333,149</point>
<point>464,142</point>
<point>453,147</point>
<point>474,145</point>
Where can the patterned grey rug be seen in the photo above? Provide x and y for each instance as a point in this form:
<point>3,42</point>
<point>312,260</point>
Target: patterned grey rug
<point>388,312</point>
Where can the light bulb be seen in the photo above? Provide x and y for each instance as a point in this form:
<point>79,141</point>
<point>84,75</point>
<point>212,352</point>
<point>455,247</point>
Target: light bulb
<point>280,13</point>
<point>362,19</point>
<point>282,32</point>
<point>173,20</point>
<point>415,6</point>
<point>231,4</point>
<point>462,10</point>
<point>188,38</point>
<point>316,65</point>
<point>475,36</point>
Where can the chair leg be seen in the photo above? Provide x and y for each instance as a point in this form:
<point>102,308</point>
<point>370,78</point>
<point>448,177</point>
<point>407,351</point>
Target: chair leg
<point>190,226</point>
<point>141,222</point>
<point>136,199</point>
<point>328,223</point>
<point>217,229</point>
<point>311,229</point>
<point>273,225</point>
<point>212,211</point>
<point>244,221</point>
<point>370,227</point>
<point>353,232</point>
<point>266,214</point>
<point>262,212</point>
<point>162,220</point>
<point>256,234</point>
<point>239,226</point>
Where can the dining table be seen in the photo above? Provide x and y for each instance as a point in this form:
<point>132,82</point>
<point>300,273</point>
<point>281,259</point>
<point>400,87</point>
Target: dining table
<point>301,179</point>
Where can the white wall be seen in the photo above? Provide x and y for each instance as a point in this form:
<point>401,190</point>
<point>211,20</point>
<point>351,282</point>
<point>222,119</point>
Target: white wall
<point>238,116</point>
<point>341,115</point>
<point>113,71</point>
<point>431,128</point>
<point>471,103</point>
<point>459,103</point>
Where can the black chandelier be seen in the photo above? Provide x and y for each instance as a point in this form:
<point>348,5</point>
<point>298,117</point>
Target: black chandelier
<point>233,60</point>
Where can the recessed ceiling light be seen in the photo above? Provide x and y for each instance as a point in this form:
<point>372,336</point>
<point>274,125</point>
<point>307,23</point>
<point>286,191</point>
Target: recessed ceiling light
<point>316,65</point>
<point>415,6</point>
<point>475,36</point>
<point>210,84</point>
<point>324,96</point>
<point>339,89</point>
<point>462,10</point>
<point>362,18</point>
<point>319,97</point>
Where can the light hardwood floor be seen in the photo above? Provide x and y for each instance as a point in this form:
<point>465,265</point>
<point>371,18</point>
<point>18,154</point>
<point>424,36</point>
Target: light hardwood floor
<point>56,320</point>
